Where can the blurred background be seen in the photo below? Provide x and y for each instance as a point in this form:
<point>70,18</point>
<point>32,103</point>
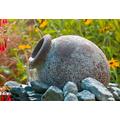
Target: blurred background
<point>18,37</point>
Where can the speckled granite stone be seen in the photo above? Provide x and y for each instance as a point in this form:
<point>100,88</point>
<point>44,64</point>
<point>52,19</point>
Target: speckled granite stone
<point>71,58</point>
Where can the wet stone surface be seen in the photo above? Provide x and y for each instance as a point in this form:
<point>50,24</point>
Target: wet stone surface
<point>70,87</point>
<point>12,84</point>
<point>39,87</point>
<point>97,88</point>
<point>53,94</point>
<point>19,94</point>
<point>70,97</point>
<point>91,90</point>
<point>115,91</point>
<point>85,95</point>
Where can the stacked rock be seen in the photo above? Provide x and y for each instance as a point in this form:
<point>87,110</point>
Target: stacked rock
<point>90,90</point>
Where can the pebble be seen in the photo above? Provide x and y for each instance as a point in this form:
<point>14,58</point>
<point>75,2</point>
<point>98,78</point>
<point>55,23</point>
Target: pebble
<point>71,97</point>
<point>53,94</point>
<point>39,87</point>
<point>70,87</point>
<point>98,89</point>
<point>85,95</point>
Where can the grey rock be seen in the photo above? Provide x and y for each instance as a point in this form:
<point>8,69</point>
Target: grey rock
<point>24,98</point>
<point>18,93</point>
<point>70,87</point>
<point>34,96</point>
<point>12,84</point>
<point>39,87</point>
<point>28,88</point>
<point>113,85</point>
<point>112,89</point>
<point>23,85</point>
<point>116,92</point>
<point>85,95</point>
<point>68,58</point>
<point>111,99</point>
<point>28,83</point>
<point>71,97</point>
<point>98,89</point>
<point>116,95</point>
<point>53,94</point>
<point>20,98</point>
<point>15,98</point>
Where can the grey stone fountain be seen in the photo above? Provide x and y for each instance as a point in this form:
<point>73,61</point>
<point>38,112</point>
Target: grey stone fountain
<point>68,58</point>
<point>67,68</point>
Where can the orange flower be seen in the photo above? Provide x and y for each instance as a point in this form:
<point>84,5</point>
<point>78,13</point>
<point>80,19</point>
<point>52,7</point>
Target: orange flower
<point>114,63</point>
<point>88,21</point>
<point>43,23</point>
<point>23,47</point>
